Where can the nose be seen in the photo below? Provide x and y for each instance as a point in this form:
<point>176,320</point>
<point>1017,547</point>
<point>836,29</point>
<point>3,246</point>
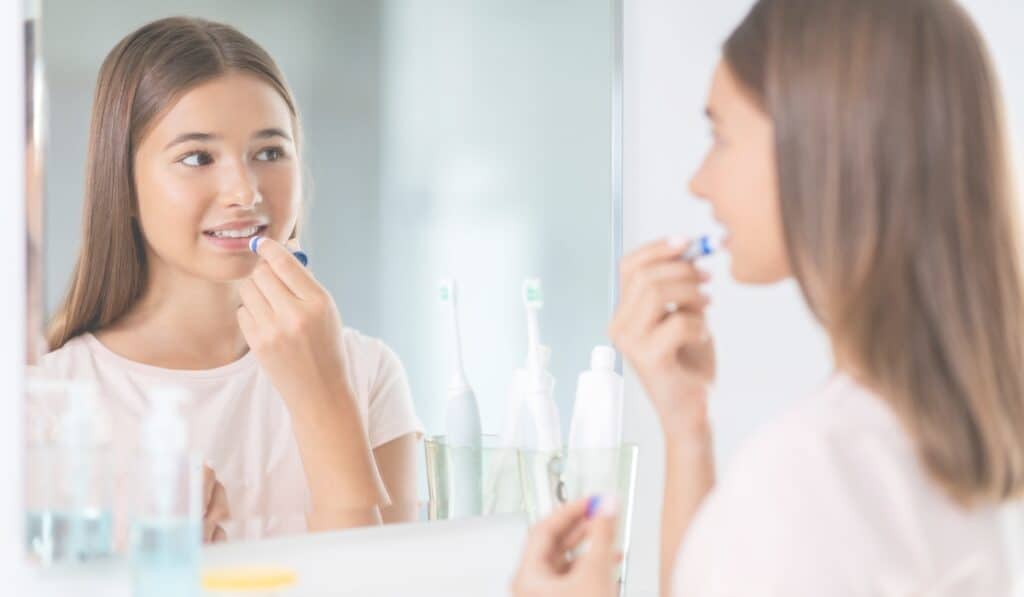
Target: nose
<point>698,183</point>
<point>241,186</point>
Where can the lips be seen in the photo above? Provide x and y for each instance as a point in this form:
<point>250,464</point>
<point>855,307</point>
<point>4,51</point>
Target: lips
<point>235,236</point>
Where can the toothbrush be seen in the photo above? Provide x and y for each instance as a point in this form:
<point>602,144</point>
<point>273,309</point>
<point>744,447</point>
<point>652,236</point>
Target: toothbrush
<point>540,404</point>
<point>462,418</point>
<point>254,244</point>
<point>539,398</point>
<point>702,247</point>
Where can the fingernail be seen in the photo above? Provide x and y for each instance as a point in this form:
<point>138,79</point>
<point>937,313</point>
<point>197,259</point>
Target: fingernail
<point>254,244</point>
<point>677,242</point>
<point>593,505</point>
<point>302,257</point>
<point>609,506</point>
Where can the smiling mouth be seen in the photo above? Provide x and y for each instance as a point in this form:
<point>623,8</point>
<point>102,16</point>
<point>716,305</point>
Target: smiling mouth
<point>237,233</point>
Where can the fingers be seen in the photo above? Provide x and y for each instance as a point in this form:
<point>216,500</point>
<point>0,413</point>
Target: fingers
<point>649,307</point>
<point>247,323</point>
<point>254,300</point>
<point>661,250</point>
<point>677,331</point>
<point>217,511</point>
<point>601,555</point>
<point>295,277</point>
<point>209,481</point>
<point>546,536</point>
<point>276,294</point>
<point>659,274</point>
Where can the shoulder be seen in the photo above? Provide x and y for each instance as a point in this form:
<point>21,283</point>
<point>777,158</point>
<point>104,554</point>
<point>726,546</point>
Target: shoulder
<point>70,360</point>
<point>366,352</point>
<point>372,362</point>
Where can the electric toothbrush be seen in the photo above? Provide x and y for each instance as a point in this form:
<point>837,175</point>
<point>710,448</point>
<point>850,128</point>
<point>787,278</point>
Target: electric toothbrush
<point>462,418</point>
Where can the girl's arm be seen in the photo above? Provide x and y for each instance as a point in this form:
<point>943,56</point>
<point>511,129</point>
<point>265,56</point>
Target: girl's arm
<point>660,328</point>
<point>293,326</point>
<point>689,477</point>
<point>396,461</point>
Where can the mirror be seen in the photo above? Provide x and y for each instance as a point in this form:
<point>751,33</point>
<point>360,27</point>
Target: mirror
<point>472,139</point>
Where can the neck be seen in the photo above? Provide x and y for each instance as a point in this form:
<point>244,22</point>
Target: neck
<point>181,322</point>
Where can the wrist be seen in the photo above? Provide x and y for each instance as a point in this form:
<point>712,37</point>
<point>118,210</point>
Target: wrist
<point>686,426</point>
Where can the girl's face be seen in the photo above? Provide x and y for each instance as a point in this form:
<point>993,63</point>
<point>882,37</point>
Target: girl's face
<point>738,178</point>
<point>215,169</point>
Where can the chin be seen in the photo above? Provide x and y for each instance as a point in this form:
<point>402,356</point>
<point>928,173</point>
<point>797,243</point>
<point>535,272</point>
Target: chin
<point>754,273</point>
<point>235,272</point>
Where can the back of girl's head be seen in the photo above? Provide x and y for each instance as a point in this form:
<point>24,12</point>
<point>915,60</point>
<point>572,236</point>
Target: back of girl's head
<point>141,77</point>
<point>898,214</point>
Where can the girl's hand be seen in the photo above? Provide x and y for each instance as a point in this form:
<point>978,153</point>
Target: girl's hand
<point>660,328</point>
<point>215,508</point>
<point>290,321</point>
<point>546,569</point>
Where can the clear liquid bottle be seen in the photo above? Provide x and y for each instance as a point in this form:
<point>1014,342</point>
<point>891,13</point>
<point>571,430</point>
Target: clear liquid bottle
<point>70,484</point>
<point>166,533</point>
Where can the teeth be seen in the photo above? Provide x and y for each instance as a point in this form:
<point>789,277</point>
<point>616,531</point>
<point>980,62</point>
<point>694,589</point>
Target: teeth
<point>240,233</point>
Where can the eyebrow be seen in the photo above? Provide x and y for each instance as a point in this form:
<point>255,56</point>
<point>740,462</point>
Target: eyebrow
<point>269,133</point>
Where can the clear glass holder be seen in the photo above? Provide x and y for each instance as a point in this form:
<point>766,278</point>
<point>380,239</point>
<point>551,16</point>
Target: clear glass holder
<point>465,481</point>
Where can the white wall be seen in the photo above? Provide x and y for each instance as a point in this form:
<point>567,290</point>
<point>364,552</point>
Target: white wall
<point>12,300</point>
<point>495,166</point>
<point>770,351</point>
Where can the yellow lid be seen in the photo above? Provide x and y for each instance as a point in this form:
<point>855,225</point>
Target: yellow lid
<point>247,579</point>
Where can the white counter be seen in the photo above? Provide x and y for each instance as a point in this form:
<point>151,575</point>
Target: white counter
<point>472,558</point>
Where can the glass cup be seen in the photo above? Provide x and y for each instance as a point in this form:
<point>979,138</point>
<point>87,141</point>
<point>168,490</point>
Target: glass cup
<point>552,478</point>
<point>466,481</point>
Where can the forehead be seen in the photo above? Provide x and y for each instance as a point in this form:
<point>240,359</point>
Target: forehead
<point>727,98</point>
<point>230,105</point>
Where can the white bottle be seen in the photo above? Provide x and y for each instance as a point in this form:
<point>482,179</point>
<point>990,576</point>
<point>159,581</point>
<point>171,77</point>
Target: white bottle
<point>595,433</point>
<point>597,413</point>
<point>167,530</point>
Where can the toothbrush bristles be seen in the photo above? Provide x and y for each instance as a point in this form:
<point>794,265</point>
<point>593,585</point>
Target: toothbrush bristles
<point>532,294</point>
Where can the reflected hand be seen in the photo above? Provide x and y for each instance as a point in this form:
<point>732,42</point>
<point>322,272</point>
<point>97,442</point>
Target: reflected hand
<point>293,326</point>
<point>546,569</point>
<point>661,330</point>
<point>215,507</point>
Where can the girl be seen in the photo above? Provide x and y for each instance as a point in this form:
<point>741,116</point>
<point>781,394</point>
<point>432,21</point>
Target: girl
<point>194,152</point>
<point>873,168</point>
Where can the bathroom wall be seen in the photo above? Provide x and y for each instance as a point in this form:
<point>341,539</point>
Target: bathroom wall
<point>495,162</point>
<point>12,300</point>
<point>770,351</point>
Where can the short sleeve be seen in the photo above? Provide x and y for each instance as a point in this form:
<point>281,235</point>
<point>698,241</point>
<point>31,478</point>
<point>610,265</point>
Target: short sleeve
<point>391,412</point>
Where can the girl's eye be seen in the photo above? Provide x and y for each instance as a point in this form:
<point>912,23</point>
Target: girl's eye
<point>270,154</point>
<point>196,159</point>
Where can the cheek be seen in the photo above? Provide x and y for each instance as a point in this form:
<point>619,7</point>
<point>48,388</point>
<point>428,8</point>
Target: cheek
<point>758,243</point>
<point>171,206</point>
<point>281,188</point>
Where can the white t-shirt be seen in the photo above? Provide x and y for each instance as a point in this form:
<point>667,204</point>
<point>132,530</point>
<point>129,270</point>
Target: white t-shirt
<point>238,423</point>
<point>833,501</point>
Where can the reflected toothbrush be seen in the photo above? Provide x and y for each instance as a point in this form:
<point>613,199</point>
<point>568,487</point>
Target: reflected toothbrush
<point>462,419</point>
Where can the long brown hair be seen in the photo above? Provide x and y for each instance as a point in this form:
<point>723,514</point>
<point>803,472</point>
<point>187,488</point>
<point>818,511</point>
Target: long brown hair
<point>141,77</point>
<point>899,216</point>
